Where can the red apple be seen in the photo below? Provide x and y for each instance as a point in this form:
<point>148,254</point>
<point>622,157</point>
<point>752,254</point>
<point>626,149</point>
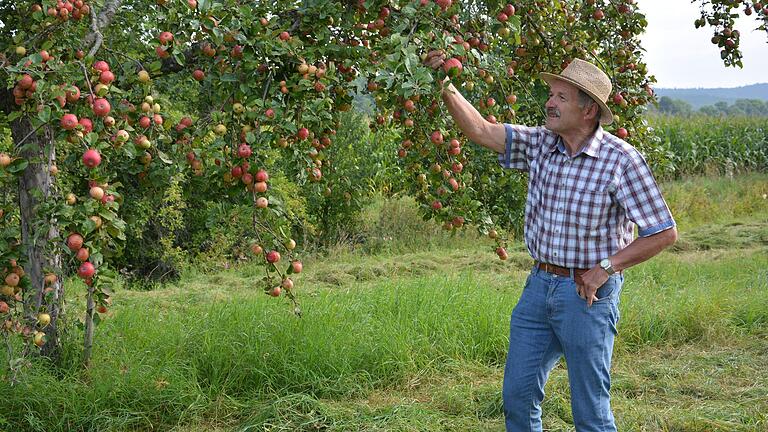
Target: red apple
<point>244,151</point>
<point>86,270</point>
<point>198,75</point>
<point>453,67</point>
<point>273,256</point>
<point>91,158</point>
<point>165,37</point>
<point>68,121</point>
<point>262,176</point>
<point>74,242</point>
<point>297,266</point>
<point>101,107</point>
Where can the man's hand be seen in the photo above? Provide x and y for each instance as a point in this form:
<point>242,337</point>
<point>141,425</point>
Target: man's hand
<point>435,59</point>
<point>593,279</point>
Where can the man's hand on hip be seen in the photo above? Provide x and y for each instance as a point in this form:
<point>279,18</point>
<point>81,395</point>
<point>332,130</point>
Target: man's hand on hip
<point>591,280</point>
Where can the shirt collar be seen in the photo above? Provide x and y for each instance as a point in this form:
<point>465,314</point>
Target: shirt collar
<point>592,148</point>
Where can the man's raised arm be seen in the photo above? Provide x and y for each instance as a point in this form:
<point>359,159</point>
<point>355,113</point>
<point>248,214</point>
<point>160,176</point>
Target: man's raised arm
<point>469,120</point>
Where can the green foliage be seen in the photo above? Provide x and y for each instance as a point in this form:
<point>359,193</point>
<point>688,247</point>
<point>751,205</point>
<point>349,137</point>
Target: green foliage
<point>711,145</point>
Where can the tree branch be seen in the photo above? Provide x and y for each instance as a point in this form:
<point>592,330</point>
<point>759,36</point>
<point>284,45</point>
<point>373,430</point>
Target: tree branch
<point>98,23</point>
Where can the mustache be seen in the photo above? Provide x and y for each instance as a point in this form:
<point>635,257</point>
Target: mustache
<point>553,111</point>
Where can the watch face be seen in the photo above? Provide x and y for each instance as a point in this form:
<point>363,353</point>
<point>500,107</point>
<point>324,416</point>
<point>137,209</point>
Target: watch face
<point>605,263</point>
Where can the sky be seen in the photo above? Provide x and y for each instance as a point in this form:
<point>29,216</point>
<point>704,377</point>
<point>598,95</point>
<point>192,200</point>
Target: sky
<point>681,56</point>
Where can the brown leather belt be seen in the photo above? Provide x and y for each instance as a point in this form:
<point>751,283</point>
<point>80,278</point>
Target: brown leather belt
<point>560,271</point>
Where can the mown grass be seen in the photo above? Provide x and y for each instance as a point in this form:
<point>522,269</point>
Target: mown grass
<point>416,342</point>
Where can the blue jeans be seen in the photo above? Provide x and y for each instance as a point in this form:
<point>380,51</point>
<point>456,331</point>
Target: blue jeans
<point>550,321</point>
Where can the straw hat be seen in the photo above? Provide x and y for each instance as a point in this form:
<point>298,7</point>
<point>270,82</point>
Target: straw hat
<point>591,80</point>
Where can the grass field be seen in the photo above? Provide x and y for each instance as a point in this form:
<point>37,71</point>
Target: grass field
<point>416,341</point>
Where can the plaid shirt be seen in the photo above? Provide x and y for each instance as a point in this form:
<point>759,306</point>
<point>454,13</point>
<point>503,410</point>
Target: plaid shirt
<point>583,209</point>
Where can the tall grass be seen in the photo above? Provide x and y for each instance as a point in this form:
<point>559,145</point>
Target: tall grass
<point>167,361</point>
<point>412,340</point>
<point>712,145</point>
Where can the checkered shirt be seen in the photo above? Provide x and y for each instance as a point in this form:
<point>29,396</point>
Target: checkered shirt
<point>583,209</point>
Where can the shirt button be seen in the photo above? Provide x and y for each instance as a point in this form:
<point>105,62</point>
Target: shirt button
<point>557,230</point>
<point>555,254</point>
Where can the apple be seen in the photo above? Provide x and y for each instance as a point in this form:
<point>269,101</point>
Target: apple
<point>509,10</point>
<point>275,292</point>
<point>143,76</point>
<point>106,77</point>
<point>100,66</point>
<point>220,129</point>
<point>4,308</point>
<point>260,187</point>
<point>262,202</point>
<point>86,270</point>
<point>68,121</point>
<point>39,338</point>
<point>453,67</point>
<point>74,242</point>
<point>297,266</point>
<point>71,199</point>
<point>284,36</point>
<point>622,133</point>
<point>5,160</point>
<point>436,138</point>
<point>97,221</point>
<point>91,158</point>
<point>165,37</point>
<point>493,234</point>
<point>87,124</point>
<point>290,244</point>
<point>96,193</point>
<point>502,253</point>
<point>198,75</point>
<point>244,151</point>
<point>102,309</point>
<point>273,257</point>
<point>287,284</point>
<point>256,249</point>
<point>82,254</point>
<point>12,279</point>
<point>72,95</point>
<point>101,107</point>
<point>437,205</point>
<point>303,133</point>
<point>145,122</point>
<point>43,319</point>
<point>444,4</point>
<point>262,176</point>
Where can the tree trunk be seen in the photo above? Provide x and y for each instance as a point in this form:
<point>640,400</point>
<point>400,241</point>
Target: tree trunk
<point>89,324</point>
<point>39,149</point>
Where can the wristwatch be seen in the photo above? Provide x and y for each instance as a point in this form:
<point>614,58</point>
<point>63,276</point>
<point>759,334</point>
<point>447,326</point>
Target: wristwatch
<point>606,265</point>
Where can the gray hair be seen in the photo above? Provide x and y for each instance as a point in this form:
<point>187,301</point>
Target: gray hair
<point>585,99</point>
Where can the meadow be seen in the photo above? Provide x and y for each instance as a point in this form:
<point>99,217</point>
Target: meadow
<point>414,338</point>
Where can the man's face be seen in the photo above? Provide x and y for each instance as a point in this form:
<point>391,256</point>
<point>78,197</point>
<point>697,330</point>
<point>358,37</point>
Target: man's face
<point>562,108</point>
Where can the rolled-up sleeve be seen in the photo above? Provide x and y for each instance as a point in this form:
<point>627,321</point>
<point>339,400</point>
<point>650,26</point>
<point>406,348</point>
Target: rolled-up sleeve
<point>520,148</point>
<point>639,195</point>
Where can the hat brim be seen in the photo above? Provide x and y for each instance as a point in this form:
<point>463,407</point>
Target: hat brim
<point>606,116</point>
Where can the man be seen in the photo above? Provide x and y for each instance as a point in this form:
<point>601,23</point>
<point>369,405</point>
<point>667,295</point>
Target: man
<point>587,189</point>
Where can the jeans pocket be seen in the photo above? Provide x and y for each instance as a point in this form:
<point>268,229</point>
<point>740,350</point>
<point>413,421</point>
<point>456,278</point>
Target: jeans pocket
<point>610,290</point>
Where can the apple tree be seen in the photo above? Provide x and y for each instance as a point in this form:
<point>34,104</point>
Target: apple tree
<point>721,16</point>
<point>98,118</point>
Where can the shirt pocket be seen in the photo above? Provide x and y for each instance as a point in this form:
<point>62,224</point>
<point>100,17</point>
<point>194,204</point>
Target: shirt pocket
<point>589,209</point>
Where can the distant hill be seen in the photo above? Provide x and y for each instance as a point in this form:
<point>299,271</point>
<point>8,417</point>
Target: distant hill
<point>699,97</point>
